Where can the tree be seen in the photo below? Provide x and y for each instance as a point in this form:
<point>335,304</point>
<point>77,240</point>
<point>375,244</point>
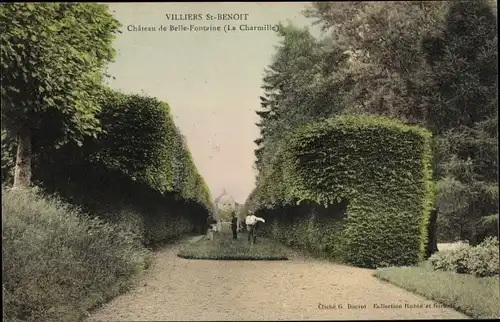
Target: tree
<point>462,107</point>
<point>434,64</point>
<point>468,189</point>
<point>298,88</point>
<point>53,57</point>
<point>462,78</point>
<point>383,42</point>
<point>421,62</point>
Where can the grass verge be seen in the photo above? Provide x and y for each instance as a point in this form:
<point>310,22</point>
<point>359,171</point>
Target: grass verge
<point>473,296</point>
<point>59,264</point>
<point>223,247</point>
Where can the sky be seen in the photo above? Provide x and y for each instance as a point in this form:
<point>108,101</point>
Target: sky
<point>210,79</point>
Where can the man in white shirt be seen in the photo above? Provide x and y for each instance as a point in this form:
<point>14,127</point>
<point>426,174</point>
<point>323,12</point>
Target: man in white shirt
<point>251,220</point>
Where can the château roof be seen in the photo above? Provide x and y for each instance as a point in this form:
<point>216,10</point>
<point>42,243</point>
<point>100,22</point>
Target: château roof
<point>224,198</point>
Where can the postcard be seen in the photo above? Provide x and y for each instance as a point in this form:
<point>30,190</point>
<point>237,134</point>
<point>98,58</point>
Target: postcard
<point>249,161</point>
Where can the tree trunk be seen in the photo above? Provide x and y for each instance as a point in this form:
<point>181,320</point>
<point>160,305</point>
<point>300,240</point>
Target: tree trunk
<point>22,172</point>
<point>432,234</point>
<point>473,239</point>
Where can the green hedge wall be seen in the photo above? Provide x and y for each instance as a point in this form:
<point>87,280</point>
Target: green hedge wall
<point>187,182</point>
<point>141,162</point>
<point>8,157</point>
<point>138,140</point>
<point>142,141</point>
<point>380,167</point>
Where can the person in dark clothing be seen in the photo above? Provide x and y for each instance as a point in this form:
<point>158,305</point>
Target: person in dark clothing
<point>234,225</point>
<point>210,222</point>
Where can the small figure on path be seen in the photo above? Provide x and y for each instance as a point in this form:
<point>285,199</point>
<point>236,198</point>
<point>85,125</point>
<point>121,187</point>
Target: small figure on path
<point>234,225</point>
<point>210,227</point>
<point>251,220</point>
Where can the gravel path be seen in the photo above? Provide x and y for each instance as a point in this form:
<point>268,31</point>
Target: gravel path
<point>298,289</point>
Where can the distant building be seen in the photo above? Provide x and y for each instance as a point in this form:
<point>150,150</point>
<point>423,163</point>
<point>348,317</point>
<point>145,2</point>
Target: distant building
<point>224,202</point>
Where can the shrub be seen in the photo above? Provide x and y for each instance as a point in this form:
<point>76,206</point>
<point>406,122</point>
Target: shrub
<point>481,260</point>
<point>451,260</point>
<point>380,167</point>
<point>59,263</point>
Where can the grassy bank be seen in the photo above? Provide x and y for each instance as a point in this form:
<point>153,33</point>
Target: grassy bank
<point>58,263</point>
<point>474,296</point>
<point>223,247</point>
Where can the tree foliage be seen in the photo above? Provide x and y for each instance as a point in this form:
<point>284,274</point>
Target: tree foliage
<point>383,41</point>
<point>468,189</point>
<point>53,58</point>
<point>53,55</point>
<point>297,88</point>
<point>462,107</point>
<point>53,100</point>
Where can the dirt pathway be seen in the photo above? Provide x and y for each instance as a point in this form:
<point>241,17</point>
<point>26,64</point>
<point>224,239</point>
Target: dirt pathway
<point>179,289</point>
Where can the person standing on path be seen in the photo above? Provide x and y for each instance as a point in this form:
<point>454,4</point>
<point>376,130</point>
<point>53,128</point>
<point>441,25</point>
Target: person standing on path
<point>234,225</point>
<point>210,222</point>
<point>251,220</point>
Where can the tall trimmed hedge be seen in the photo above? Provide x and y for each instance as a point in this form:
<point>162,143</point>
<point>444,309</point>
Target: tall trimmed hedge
<point>379,167</point>
<point>143,142</point>
<point>8,157</point>
<point>138,140</point>
<point>140,163</point>
<point>187,182</point>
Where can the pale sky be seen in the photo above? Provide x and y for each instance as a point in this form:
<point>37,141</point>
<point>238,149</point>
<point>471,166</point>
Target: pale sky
<point>210,79</point>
